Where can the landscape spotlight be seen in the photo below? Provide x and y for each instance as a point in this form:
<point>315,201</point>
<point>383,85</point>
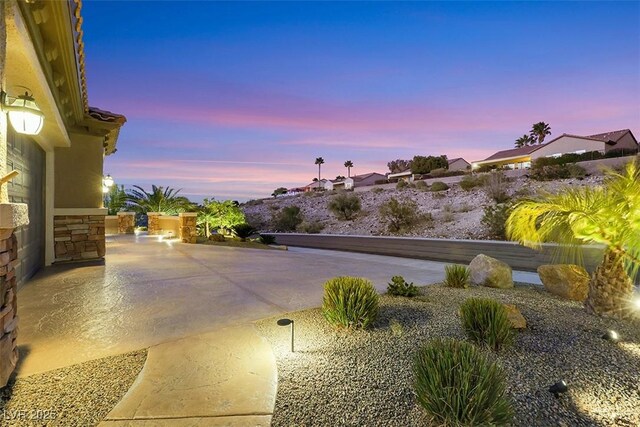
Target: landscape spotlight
<point>611,335</point>
<point>558,388</point>
<point>287,322</point>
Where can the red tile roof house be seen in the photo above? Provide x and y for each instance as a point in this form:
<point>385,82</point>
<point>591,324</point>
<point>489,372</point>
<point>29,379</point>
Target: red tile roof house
<point>520,158</point>
<point>458,164</point>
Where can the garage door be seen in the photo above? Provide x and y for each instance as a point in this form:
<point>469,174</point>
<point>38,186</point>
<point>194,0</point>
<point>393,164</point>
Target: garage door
<point>26,156</point>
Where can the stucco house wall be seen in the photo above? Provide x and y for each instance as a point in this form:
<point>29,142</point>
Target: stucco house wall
<point>369,180</point>
<point>568,144</point>
<point>627,142</point>
<point>459,165</point>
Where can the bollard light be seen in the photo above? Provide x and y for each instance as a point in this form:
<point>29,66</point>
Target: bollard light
<point>611,335</point>
<point>558,388</point>
<point>287,322</point>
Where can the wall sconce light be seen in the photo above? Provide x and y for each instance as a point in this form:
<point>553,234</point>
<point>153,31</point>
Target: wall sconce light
<point>107,183</point>
<point>24,115</point>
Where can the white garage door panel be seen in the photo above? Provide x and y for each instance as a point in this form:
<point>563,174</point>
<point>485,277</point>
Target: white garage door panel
<point>26,156</point>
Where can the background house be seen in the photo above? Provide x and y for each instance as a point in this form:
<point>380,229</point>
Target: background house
<point>458,164</point>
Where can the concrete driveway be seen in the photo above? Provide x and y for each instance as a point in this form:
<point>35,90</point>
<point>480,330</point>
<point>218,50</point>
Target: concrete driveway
<point>150,292</point>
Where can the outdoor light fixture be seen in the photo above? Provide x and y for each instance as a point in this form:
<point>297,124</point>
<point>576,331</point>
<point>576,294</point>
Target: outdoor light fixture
<point>107,183</point>
<point>558,388</point>
<point>611,335</point>
<point>24,114</point>
<point>287,322</point>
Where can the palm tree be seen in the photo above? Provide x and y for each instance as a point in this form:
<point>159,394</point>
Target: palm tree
<point>160,199</point>
<point>115,200</point>
<point>539,131</point>
<point>348,164</point>
<point>319,162</point>
<point>607,215</point>
<point>524,140</point>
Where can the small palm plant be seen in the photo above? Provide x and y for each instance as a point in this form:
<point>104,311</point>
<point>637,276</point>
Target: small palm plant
<point>607,215</point>
<point>243,231</point>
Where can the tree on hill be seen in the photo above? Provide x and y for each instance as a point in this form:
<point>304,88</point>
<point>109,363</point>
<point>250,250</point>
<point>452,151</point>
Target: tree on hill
<point>539,131</point>
<point>319,162</point>
<point>424,165</point>
<point>278,191</point>
<point>399,165</point>
<point>525,140</point>
<point>348,164</point>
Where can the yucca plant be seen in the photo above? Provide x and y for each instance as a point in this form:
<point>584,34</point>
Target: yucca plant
<point>485,322</point>
<point>607,215</point>
<point>401,288</point>
<point>458,385</point>
<point>267,239</point>
<point>457,276</point>
<point>350,302</point>
<point>243,231</point>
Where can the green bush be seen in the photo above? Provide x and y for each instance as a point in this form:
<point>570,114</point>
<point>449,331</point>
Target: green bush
<point>496,187</point>
<point>350,302</point>
<point>550,173</point>
<point>399,214</point>
<point>243,231</point>
<point>267,239</point>
<point>439,186</point>
<point>345,206</point>
<point>469,182</point>
<point>495,218</point>
<point>576,171</point>
<point>457,276</point>
<point>458,385</point>
<point>287,219</point>
<point>402,184</point>
<point>421,185</point>
<point>485,321</point>
<point>401,288</point>
<point>314,227</point>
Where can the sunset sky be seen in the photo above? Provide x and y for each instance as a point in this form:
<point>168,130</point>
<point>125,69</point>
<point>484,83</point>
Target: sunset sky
<point>231,100</point>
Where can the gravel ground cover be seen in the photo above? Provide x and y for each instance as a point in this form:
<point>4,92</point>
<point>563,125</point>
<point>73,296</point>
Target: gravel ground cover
<point>364,378</point>
<point>78,395</point>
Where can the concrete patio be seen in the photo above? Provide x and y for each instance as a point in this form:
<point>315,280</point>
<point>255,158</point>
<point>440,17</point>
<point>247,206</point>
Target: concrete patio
<point>192,305</point>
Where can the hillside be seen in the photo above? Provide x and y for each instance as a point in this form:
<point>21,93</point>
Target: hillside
<point>456,213</point>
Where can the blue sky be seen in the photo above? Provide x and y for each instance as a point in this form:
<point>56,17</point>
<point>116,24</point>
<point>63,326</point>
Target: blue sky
<point>232,100</point>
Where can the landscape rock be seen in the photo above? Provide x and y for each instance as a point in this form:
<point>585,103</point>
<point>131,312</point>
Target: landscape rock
<point>490,272</point>
<point>565,280</point>
<point>515,317</point>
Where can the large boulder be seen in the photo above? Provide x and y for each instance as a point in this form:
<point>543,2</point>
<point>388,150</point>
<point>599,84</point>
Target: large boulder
<point>487,271</point>
<point>565,280</point>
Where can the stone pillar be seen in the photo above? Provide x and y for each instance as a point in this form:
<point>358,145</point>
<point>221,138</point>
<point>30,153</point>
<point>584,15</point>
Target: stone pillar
<point>188,230</point>
<point>126,222</point>
<point>153,223</point>
<point>8,305</point>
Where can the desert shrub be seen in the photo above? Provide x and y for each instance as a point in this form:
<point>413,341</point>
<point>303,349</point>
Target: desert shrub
<point>496,187</point>
<point>448,217</point>
<point>438,195</point>
<point>397,330</point>
<point>350,302</point>
<point>217,238</point>
<point>465,207</point>
<point>310,227</point>
<point>485,321</point>
<point>399,214</point>
<point>254,202</point>
<point>576,171</point>
<point>421,185</point>
<point>267,239</point>
<point>377,190</point>
<point>486,168</point>
<point>401,288</point>
<point>344,206</point>
<point>550,173</point>
<point>243,231</point>
<point>288,218</point>
<point>402,184</point>
<point>457,276</point>
<point>469,182</point>
<point>457,384</point>
<point>495,218</point>
<point>447,207</point>
<point>439,186</point>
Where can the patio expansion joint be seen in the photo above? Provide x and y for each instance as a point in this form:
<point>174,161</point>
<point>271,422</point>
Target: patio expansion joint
<point>186,417</point>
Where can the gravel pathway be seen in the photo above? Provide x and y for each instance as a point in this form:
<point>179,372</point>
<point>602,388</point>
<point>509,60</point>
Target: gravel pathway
<point>364,378</point>
<point>79,395</point>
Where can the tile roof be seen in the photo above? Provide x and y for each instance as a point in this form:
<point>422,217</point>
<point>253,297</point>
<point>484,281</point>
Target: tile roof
<point>106,116</point>
<point>515,152</point>
<point>610,136</point>
<point>456,159</point>
<point>364,176</point>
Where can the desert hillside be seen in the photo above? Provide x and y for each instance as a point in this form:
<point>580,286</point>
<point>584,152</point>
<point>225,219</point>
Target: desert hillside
<point>454,213</point>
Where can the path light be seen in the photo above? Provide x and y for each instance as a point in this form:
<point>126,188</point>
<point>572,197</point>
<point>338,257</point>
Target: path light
<point>24,114</point>
<point>558,388</point>
<point>287,322</point>
<point>611,335</point>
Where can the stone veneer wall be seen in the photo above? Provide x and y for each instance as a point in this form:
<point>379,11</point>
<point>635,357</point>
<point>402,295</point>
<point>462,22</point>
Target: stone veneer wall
<point>126,222</point>
<point>8,306</point>
<point>188,232</point>
<point>78,237</point>
<point>153,223</point>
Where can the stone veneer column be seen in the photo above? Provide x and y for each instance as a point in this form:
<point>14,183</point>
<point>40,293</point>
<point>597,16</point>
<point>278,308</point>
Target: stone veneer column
<point>188,230</point>
<point>78,237</point>
<point>126,222</point>
<point>153,223</point>
<point>8,305</point>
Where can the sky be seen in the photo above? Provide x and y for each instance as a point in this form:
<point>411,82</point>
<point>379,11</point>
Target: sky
<point>232,100</point>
